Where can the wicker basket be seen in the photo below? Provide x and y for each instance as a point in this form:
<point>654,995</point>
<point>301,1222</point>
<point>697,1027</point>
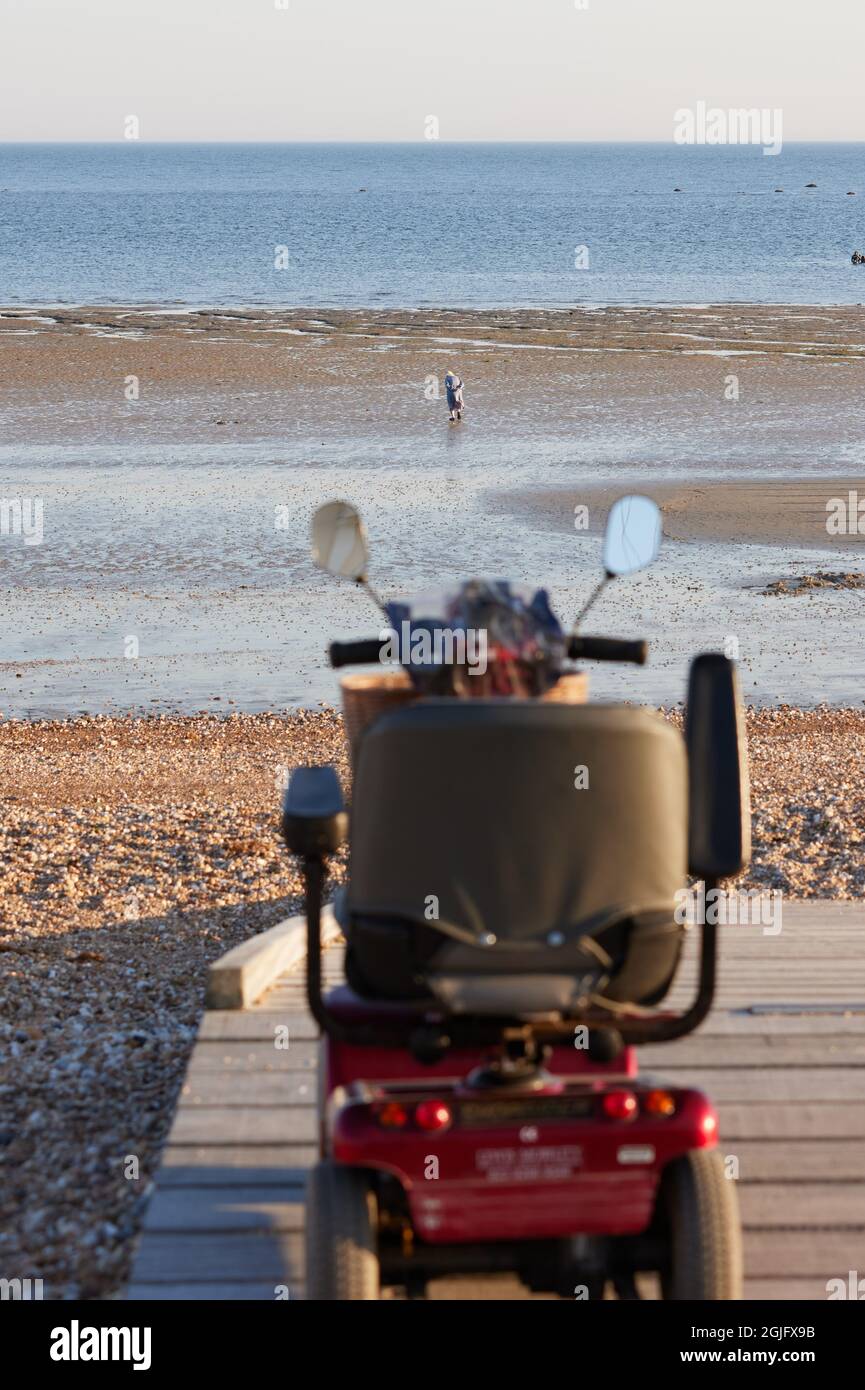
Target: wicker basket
<point>366,698</point>
<point>571,689</point>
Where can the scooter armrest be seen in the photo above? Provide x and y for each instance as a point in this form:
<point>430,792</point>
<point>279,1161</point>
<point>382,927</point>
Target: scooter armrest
<point>314,820</point>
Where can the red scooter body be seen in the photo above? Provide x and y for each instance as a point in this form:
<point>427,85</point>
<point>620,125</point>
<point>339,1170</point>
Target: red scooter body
<point>577,1150</point>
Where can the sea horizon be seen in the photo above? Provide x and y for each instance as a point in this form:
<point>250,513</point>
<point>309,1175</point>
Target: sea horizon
<point>428,224</point>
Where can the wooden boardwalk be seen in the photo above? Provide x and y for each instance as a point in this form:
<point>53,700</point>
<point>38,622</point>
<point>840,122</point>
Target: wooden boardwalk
<point>782,1055</point>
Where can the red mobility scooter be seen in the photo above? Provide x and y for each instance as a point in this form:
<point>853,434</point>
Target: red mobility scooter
<point>512,927</point>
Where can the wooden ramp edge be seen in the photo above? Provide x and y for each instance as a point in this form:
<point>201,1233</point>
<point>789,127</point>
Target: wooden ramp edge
<point>782,1055</point>
<point>226,1218</point>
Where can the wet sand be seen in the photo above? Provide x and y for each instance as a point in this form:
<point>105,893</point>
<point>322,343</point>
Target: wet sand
<point>180,456</point>
<point>246,374</point>
<point>787,512</point>
<point>821,331</point>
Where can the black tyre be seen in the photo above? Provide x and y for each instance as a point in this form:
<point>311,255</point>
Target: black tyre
<point>341,1235</point>
<point>699,1214</point>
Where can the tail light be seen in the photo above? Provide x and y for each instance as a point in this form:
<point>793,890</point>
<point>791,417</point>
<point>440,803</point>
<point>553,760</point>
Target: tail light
<point>659,1103</point>
<point>620,1105</point>
<point>392,1115</point>
<point>709,1126</point>
<point>433,1115</point>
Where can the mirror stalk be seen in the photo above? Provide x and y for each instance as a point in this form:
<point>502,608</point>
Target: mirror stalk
<point>370,592</point>
<point>592,599</point>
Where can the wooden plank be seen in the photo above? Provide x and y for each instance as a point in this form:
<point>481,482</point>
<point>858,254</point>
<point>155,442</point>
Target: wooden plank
<point>274,1257</point>
<point>696,1051</point>
<point>486,1288</point>
<point>289,1000</point>
<point>741,945</point>
<point>223,1165</point>
<point>818,911</point>
<point>218,1124</point>
<point>239,977</point>
<point>260,1025</point>
<point>763,1120</point>
<point>803,1204</point>
<point>808,1288</point>
<point>253,1025</point>
<point>794,1085</point>
<point>797,997</point>
<point>725,1024</point>
<point>835,913</point>
<point>766,1053</point>
<point>224,1058</point>
<point>803,980</point>
<point>332,966</point>
<point>209,1292</point>
<point>279,1208</point>
<point>789,1290</point>
<point>767,1002</point>
<point>821,947</point>
<point>271,1088</point>
<point>821,1255</point>
<point>796,950</point>
<point>774,969</point>
<point>289,989</point>
<point>842,994</point>
<point>795,1160</point>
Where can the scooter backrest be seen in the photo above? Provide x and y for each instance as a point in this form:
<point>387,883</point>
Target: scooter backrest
<point>719,819</point>
<point>518,821</point>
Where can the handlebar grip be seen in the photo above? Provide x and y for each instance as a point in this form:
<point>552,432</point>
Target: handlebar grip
<point>608,649</point>
<point>365,653</point>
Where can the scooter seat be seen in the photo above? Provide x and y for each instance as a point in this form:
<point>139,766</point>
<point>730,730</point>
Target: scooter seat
<point>516,856</point>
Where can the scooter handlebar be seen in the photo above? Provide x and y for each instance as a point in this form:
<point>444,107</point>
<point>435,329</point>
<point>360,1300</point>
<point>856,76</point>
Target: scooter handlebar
<point>365,653</point>
<point>368,651</point>
<point>608,649</point>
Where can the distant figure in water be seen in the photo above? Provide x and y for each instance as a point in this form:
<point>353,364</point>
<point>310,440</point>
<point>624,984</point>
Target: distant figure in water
<point>454,389</point>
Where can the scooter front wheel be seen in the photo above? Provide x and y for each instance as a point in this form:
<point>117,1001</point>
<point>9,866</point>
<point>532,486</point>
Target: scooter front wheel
<point>342,1262</point>
<point>699,1213</point>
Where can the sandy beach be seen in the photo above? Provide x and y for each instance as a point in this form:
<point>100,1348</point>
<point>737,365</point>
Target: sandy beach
<point>748,512</point>
<point>246,372</point>
<point>133,852</point>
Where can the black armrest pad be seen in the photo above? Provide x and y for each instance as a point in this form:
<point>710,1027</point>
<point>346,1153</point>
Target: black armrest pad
<point>719,830</point>
<point>314,821</point>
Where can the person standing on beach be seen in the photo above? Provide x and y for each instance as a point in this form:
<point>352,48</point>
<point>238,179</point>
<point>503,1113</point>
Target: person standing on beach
<point>454,389</point>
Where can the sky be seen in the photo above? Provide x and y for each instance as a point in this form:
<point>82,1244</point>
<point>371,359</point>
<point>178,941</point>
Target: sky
<point>377,69</point>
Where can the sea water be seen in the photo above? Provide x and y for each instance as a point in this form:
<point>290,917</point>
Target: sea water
<point>430,223</point>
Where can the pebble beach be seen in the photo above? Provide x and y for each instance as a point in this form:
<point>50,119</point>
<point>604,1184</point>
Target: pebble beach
<point>134,851</point>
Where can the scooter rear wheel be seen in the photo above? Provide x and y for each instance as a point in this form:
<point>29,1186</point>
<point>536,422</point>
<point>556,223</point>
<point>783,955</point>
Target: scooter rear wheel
<point>341,1235</point>
<point>700,1215</point>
